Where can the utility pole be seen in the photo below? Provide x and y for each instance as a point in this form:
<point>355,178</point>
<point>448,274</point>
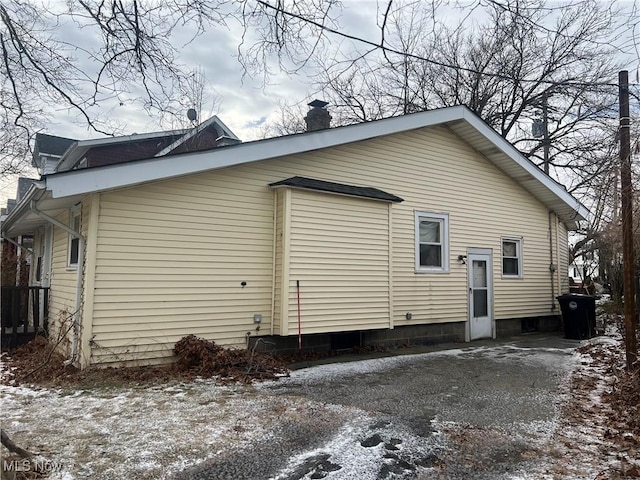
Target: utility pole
<point>540,128</point>
<point>545,132</point>
<point>631,344</point>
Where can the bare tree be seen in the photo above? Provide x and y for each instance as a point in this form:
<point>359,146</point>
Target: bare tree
<point>195,92</point>
<point>500,60</point>
<point>502,69</point>
<point>289,120</point>
<point>46,65</point>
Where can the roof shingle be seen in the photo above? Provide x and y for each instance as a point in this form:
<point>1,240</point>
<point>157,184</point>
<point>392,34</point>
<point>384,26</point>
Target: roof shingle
<point>341,188</point>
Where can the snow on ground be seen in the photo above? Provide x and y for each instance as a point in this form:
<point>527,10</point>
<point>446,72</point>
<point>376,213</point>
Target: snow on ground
<point>338,370</point>
<point>362,459</point>
<point>129,433</point>
<point>454,442</point>
<point>155,432</point>
<point>584,445</point>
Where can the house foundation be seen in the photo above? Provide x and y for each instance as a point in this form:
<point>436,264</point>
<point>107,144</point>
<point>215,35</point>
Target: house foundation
<point>399,337</point>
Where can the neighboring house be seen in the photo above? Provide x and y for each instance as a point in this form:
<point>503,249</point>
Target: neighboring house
<point>16,296</point>
<point>57,154</point>
<point>577,270</point>
<point>47,151</point>
<point>417,228</point>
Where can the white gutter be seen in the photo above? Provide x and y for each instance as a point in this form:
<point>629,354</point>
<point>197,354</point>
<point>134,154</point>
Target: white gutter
<point>79,280</point>
<point>127,174</point>
<point>108,177</point>
<point>19,210</point>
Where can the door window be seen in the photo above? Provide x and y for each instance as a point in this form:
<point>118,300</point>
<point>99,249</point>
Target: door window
<point>480,293</point>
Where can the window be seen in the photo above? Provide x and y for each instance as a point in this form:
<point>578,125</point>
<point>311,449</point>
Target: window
<point>81,164</point>
<point>39,269</point>
<point>512,257</point>
<point>432,242</point>
<point>74,242</point>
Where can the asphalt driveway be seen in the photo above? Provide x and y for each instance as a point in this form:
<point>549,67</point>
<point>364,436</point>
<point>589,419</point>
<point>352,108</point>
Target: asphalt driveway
<point>475,411</point>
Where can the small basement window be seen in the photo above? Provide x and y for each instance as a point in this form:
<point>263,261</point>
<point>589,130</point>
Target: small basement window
<point>512,257</point>
<point>432,242</point>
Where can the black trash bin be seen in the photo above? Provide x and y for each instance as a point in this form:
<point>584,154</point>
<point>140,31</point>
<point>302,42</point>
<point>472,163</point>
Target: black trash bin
<point>578,315</point>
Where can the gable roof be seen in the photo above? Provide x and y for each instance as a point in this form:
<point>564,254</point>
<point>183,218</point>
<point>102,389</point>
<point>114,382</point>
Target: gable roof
<point>65,187</point>
<point>49,145</point>
<point>168,141</point>
<point>225,133</point>
<point>305,183</point>
<point>23,187</point>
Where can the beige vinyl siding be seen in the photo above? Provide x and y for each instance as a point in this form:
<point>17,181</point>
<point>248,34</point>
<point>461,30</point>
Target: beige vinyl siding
<point>63,284</point>
<point>339,252</point>
<point>171,255</point>
<point>434,172</point>
<point>171,259</point>
<point>563,253</point>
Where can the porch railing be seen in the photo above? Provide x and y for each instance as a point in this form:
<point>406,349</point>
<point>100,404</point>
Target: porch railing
<point>25,312</point>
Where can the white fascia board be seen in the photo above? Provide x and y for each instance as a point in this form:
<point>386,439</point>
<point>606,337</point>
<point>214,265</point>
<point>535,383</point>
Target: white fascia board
<point>133,173</point>
<point>227,130</point>
<point>35,192</point>
<point>505,147</point>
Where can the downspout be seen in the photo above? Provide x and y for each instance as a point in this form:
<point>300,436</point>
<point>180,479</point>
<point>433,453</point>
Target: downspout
<point>558,274</point>
<point>552,267</point>
<point>79,281</point>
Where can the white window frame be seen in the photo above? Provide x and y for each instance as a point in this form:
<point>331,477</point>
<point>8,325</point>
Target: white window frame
<point>75,222</point>
<point>519,254</point>
<point>443,219</point>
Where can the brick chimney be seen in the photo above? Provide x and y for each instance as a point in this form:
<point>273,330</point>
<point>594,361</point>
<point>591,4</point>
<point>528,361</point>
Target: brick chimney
<point>318,117</point>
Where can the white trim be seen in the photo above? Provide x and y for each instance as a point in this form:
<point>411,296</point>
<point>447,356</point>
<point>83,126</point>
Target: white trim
<point>132,173</point>
<point>493,146</point>
<point>77,149</point>
<point>48,256</point>
<point>443,220</point>
<point>74,213</point>
<point>390,271</point>
<point>519,241</point>
<point>89,276</point>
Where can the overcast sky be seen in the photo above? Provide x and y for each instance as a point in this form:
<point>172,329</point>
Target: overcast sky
<point>244,103</point>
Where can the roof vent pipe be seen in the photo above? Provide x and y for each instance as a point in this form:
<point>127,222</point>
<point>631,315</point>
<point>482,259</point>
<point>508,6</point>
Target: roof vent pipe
<point>318,117</point>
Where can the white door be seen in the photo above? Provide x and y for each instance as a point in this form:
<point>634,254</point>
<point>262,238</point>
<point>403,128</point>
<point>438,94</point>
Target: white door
<point>480,296</point>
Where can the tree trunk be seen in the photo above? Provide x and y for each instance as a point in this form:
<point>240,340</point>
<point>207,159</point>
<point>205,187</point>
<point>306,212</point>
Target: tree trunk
<point>12,447</point>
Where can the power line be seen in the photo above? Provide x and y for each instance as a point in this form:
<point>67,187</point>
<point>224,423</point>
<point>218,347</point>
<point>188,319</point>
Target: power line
<point>386,49</point>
